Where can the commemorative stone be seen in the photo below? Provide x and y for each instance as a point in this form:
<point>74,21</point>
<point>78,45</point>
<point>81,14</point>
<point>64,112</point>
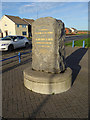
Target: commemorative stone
<point>47,73</point>
<point>48,53</point>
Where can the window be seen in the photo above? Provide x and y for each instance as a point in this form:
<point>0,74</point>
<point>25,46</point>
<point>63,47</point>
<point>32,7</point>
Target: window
<point>5,24</point>
<point>20,37</point>
<point>9,32</point>
<point>17,25</point>
<point>24,33</point>
<point>24,26</point>
<point>6,38</point>
<point>13,37</point>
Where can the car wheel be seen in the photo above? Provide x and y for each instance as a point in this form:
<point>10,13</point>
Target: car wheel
<point>26,45</point>
<point>10,48</point>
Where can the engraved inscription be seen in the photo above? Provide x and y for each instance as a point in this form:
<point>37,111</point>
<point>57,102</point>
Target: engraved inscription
<point>43,38</point>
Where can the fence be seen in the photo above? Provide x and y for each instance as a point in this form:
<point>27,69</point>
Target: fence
<point>19,56</point>
<point>83,45</point>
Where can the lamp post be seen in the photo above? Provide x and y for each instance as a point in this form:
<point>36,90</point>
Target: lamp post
<point>37,11</point>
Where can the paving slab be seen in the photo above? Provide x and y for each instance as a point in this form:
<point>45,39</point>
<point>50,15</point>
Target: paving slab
<point>19,102</point>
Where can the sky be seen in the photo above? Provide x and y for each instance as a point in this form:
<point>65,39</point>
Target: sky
<point>73,14</point>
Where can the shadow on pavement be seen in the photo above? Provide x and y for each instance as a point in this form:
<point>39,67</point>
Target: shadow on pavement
<point>73,60</point>
<point>35,112</point>
<point>14,60</point>
<point>14,66</point>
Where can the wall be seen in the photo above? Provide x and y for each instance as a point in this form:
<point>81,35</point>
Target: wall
<point>67,31</point>
<point>7,25</point>
<point>20,29</point>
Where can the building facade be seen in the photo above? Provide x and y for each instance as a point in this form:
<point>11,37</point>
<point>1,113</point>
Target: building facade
<point>74,31</point>
<point>29,22</point>
<point>13,25</point>
<point>67,31</point>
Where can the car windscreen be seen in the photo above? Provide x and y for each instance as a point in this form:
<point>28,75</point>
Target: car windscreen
<point>13,37</point>
<point>9,38</point>
<point>6,38</point>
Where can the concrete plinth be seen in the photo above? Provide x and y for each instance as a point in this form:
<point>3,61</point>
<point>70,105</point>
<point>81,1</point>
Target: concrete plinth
<point>47,83</point>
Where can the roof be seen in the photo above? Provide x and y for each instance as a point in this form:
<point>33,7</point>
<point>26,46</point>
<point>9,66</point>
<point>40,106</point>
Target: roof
<point>16,19</point>
<point>66,28</point>
<point>73,28</point>
<point>29,21</point>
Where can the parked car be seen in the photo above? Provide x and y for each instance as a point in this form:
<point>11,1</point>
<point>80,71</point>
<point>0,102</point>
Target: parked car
<point>12,42</point>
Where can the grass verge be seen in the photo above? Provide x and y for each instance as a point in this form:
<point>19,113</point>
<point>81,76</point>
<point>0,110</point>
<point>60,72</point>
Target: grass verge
<point>79,43</point>
<point>29,38</point>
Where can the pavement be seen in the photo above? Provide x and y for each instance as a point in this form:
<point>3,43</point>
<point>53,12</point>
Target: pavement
<point>19,102</point>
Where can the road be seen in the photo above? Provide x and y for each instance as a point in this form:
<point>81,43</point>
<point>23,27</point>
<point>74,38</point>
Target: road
<point>75,37</point>
<point>6,54</point>
<point>15,52</point>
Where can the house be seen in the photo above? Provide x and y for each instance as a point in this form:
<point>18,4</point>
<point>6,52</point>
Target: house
<point>67,31</point>
<point>1,34</point>
<point>29,22</point>
<point>74,31</point>
<point>13,25</point>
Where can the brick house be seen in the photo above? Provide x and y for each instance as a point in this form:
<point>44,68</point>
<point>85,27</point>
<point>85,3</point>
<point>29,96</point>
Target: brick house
<point>67,31</point>
<point>74,31</point>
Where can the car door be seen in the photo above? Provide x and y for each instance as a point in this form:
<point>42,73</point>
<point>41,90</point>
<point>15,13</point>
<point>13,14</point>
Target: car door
<point>20,41</point>
<point>15,42</point>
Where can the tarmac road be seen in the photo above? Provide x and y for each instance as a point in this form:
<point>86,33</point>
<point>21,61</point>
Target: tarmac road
<point>75,37</point>
<point>6,54</point>
<point>15,52</point>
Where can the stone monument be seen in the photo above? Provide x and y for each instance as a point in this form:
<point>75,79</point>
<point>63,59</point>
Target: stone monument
<point>48,73</point>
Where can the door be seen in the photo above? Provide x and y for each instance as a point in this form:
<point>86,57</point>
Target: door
<point>29,30</point>
<point>1,35</point>
<point>20,41</point>
<point>15,42</point>
<point>6,32</point>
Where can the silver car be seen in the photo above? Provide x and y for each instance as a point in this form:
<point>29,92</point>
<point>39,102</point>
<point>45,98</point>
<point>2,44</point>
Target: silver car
<point>12,42</point>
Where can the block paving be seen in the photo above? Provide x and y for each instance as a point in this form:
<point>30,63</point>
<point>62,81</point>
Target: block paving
<point>19,102</point>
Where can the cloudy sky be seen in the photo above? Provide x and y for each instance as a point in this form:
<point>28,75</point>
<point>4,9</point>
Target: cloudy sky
<point>73,14</point>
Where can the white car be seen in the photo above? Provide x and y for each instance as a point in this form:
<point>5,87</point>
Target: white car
<point>12,42</point>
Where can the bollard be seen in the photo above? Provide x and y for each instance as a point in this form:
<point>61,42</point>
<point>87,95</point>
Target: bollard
<point>83,44</point>
<point>73,43</point>
<point>19,55</point>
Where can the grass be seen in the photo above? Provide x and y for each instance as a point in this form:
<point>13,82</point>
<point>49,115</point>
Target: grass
<point>29,38</point>
<point>82,34</point>
<point>79,43</point>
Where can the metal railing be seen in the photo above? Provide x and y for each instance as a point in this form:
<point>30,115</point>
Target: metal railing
<point>83,45</point>
<point>18,55</point>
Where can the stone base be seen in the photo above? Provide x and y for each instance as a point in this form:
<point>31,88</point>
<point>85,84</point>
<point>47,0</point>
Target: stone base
<point>47,83</point>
